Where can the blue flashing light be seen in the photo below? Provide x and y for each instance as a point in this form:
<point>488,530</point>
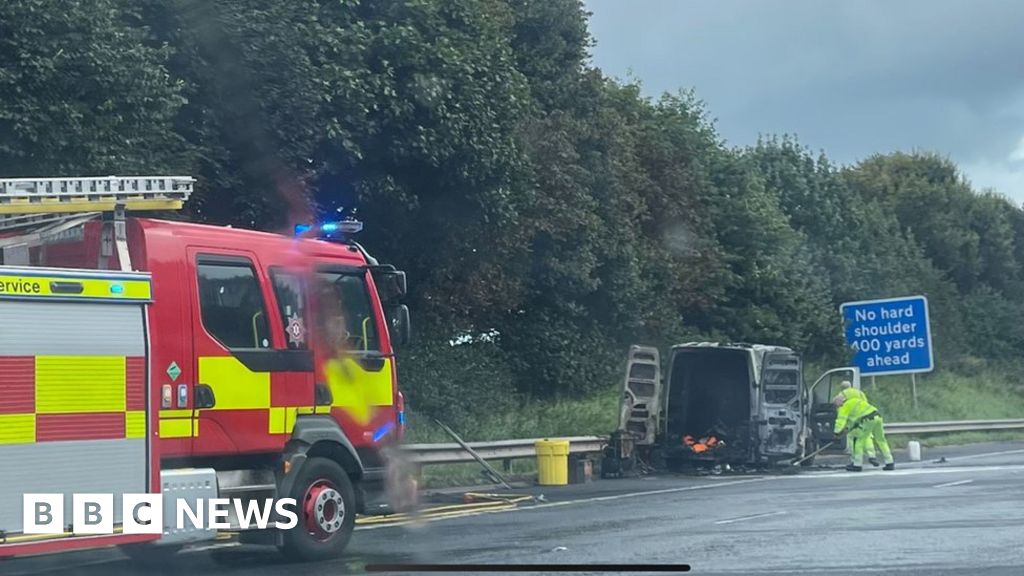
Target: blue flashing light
<point>383,431</point>
<point>401,418</point>
<point>117,289</point>
<point>333,229</point>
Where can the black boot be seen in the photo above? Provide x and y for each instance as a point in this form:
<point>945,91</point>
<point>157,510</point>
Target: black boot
<point>853,468</point>
<point>890,466</point>
<point>874,462</point>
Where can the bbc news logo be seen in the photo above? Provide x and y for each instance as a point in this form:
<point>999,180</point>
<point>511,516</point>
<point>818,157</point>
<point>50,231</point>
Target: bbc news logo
<point>144,513</point>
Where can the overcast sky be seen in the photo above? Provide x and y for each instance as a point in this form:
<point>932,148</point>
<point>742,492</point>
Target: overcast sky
<point>852,77</point>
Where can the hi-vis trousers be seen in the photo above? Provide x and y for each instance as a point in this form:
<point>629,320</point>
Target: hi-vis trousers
<point>868,431</point>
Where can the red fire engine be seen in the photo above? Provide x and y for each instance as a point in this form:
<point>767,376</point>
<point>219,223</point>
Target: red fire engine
<point>267,362</point>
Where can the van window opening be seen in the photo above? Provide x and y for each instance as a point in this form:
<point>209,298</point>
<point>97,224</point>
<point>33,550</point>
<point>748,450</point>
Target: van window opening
<point>232,306</point>
<point>709,394</point>
<point>824,392</point>
<point>345,316</point>
<point>290,294</point>
<point>780,386</point>
<point>779,395</point>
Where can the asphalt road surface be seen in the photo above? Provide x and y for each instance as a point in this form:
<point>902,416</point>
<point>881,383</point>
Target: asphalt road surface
<point>963,516</point>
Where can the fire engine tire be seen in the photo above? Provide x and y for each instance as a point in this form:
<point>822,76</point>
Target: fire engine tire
<point>150,555</point>
<point>326,506</point>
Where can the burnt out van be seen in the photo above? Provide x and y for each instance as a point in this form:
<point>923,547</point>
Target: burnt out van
<point>727,403</point>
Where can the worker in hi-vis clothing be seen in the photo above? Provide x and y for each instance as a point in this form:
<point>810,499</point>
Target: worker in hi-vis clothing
<point>847,389</point>
<point>861,420</point>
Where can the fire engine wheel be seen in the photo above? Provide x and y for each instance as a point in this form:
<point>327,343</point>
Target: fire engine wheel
<point>326,509</point>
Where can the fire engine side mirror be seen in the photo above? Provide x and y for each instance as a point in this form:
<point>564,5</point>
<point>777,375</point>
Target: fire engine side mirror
<point>400,325</point>
<point>397,286</point>
<point>391,283</point>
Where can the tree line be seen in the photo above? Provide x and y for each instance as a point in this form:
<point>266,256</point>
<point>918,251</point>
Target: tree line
<point>548,215</point>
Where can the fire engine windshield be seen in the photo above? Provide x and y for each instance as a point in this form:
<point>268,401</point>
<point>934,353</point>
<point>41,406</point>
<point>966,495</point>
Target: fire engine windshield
<point>345,315</point>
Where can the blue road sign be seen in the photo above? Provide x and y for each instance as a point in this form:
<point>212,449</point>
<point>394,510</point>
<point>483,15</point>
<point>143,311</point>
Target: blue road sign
<point>890,336</point>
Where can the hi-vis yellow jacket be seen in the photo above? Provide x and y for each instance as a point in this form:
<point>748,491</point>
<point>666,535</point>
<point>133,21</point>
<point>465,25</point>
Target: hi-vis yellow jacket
<point>852,411</point>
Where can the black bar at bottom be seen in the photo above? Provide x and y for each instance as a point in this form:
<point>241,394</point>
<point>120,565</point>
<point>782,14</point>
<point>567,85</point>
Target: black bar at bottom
<point>527,568</point>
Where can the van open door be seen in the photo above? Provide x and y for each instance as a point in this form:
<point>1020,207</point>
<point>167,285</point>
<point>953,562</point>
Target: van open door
<point>780,418</point>
<point>821,414</point>
<point>640,404</point>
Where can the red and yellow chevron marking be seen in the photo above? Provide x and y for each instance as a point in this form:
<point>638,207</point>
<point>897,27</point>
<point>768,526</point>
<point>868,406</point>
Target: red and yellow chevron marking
<point>59,398</point>
<point>355,390</point>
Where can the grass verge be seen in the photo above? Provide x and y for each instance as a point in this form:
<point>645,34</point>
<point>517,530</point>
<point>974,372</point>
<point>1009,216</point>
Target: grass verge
<point>471,474</point>
<point>956,438</point>
<point>531,419</point>
<point>986,394</point>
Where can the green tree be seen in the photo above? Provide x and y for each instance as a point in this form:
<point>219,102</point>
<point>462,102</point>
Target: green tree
<point>428,154</point>
<point>83,92</point>
<point>930,200</point>
<point>252,118</point>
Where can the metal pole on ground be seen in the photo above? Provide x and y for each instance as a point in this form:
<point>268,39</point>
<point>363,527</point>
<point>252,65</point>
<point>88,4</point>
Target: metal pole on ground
<point>498,478</point>
<point>913,388</point>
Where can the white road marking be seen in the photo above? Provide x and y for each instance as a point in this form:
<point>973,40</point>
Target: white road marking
<point>906,472</point>
<point>983,455</point>
<point>653,492</point>
<point>828,570</point>
<point>752,517</point>
<point>950,484</point>
<point>208,547</point>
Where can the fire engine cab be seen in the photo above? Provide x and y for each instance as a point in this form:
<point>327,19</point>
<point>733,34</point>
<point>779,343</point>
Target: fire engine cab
<point>255,365</point>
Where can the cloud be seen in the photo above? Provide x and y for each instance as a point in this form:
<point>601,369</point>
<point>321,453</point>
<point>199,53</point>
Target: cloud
<point>1018,153</point>
<point>1005,176</point>
<point>852,78</point>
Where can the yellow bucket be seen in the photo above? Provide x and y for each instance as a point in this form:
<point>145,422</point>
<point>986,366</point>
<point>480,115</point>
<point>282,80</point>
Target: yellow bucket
<point>552,462</point>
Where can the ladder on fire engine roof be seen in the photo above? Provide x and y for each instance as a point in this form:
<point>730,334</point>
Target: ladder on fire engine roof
<point>54,206</point>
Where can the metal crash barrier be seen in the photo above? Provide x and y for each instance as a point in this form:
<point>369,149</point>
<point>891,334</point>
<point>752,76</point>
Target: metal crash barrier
<point>425,454</point>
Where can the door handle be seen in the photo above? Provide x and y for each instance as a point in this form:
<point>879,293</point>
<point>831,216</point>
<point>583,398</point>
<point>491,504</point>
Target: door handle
<point>67,287</point>
<point>371,363</point>
<point>203,396</point>
<point>322,395</point>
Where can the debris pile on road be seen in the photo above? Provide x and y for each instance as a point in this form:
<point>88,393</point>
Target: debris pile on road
<point>471,497</point>
<point>705,444</point>
<point>472,503</point>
